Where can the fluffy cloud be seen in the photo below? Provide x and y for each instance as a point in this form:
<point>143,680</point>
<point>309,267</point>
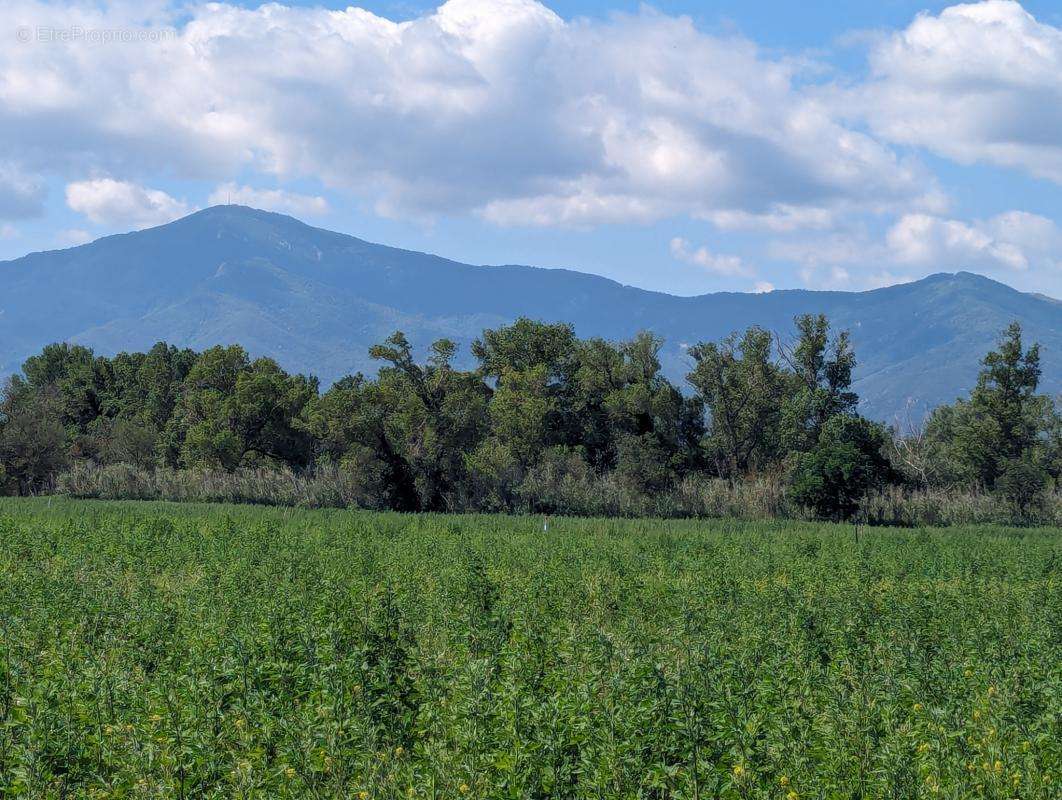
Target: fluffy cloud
<point>729,266</point>
<point>269,199</point>
<point>978,82</point>
<point>1015,241</point>
<point>497,108</point>
<point>922,240</point>
<point>106,201</point>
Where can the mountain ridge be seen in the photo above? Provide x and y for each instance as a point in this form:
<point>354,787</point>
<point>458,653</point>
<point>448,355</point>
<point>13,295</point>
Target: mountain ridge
<point>316,300</point>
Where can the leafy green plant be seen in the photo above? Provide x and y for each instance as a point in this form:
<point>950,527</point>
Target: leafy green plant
<point>152,650</point>
<point>845,466</point>
<point>1023,486</point>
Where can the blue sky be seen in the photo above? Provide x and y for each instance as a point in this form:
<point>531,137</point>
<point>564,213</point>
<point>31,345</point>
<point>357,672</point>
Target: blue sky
<point>681,146</point>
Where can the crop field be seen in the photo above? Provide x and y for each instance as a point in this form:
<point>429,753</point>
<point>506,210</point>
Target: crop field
<point>155,650</point>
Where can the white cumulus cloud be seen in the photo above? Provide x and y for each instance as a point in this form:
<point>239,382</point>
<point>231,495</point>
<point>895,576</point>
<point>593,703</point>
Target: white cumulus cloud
<point>977,82</point>
<point>494,108</point>
<point>1012,241</point>
<point>106,201</point>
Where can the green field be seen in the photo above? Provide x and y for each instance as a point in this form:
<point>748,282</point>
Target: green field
<point>153,650</point>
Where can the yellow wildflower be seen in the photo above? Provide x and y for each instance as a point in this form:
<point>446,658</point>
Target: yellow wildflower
<point>917,707</point>
<point>739,771</point>
<point>463,788</point>
<point>784,780</point>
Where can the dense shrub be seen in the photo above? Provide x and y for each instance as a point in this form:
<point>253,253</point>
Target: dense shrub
<point>1023,487</point>
<point>846,465</point>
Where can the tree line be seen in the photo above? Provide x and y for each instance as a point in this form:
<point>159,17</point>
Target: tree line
<point>540,408</point>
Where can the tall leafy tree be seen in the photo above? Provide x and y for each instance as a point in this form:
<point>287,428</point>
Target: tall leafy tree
<point>433,417</point>
<point>742,389</point>
<point>201,431</point>
<point>1003,421</point>
<point>34,443</point>
<point>656,428</point>
<point>527,344</point>
<point>82,383</point>
<point>264,408</point>
<point>821,368</point>
<point>349,425</point>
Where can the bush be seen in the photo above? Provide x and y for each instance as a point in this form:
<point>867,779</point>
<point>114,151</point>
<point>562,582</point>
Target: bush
<point>844,467</point>
<point>1022,485</point>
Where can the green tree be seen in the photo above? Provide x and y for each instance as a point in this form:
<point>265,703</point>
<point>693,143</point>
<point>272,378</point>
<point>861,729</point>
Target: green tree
<point>820,382</point>
<point>527,344</point>
<point>432,418</point>
<point>743,390</point>
<point>125,441</point>
<point>201,431</point>
<point>1023,484</point>
<point>348,424</point>
<point>34,443</point>
<point>656,429</point>
<point>1003,422</point>
<point>847,463</point>
<point>81,381</point>
<point>264,408</point>
<point>232,412</point>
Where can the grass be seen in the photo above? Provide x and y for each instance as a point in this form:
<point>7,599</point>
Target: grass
<point>190,651</point>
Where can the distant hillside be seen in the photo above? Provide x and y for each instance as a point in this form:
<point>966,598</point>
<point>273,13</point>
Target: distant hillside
<point>316,300</point>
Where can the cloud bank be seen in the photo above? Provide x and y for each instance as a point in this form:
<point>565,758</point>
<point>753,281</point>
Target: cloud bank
<point>978,82</point>
<point>502,111</point>
<point>497,108</point>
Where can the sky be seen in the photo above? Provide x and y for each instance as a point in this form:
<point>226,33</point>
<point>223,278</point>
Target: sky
<point>682,146</point>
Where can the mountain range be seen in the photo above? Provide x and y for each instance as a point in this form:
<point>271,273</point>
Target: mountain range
<point>315,300</point>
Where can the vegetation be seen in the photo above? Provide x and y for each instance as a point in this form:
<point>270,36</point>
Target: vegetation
<point>545,423</point>
<point>153,650</point>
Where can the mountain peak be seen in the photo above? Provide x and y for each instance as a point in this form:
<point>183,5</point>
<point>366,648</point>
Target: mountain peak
<point>239,215</point>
